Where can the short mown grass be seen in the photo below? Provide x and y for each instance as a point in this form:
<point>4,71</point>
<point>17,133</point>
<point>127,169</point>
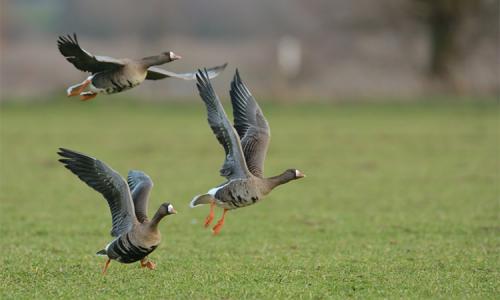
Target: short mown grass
<point>400,201</point>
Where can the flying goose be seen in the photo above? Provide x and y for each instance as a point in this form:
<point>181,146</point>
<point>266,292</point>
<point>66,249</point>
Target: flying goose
<point>111,75</point>
<point>135,235</point>
<point>245,146</point>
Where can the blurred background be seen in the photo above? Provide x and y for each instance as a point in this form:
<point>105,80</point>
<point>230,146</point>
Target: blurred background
<point>321,50</point>
<point>390,107</point>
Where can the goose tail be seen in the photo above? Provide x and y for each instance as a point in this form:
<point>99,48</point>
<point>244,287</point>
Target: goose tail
<point>201,199</point>
<point>102,252</point>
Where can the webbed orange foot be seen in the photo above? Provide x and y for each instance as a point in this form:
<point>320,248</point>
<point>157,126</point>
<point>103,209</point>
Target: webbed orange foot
<point>210,216</point>
<point>220,223</point>
<point>145,263</point>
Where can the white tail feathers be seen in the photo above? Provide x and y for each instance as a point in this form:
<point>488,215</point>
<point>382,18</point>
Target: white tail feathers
<point>102,252</point>
<point>201,199</point>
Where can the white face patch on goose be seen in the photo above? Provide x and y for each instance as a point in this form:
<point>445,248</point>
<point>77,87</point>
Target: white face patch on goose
<point>299,174</point>
<point>173,56</point>
<point>170,209</point>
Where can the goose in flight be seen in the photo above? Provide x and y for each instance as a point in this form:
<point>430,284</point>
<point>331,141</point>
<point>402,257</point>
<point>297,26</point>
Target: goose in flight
<point>245,145</point>
<point>135,236</point>
<point>112,75</point>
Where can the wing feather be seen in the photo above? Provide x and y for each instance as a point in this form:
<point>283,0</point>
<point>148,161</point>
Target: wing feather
<point>234,165</point>
<point>140,185</point>
<point>82,59</point>
<point>156,73</point>
<point>251,125</point>
<point>106,181</point>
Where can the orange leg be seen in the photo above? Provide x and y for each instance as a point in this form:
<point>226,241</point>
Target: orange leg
<point>87,96</point>
<point>210,216</point>
<point>145,263</point>
<point>106,266</point>
<point>219,224</point>
<point>75,90</point>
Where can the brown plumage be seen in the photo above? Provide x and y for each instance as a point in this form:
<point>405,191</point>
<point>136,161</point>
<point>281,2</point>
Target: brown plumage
<point>135,235</point>
<point>245,146</point>
<point>112,75</point>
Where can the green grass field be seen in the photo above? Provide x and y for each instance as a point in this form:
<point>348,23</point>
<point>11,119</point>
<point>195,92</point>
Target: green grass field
<point>400,201</point>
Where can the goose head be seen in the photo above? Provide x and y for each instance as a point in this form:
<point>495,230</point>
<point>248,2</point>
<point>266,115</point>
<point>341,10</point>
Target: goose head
<point>292,174</point>
<point>160,59</point>
<point>167,209</point>
<point>286,176</point>
<point>164,210</point>
<point>297,174</point>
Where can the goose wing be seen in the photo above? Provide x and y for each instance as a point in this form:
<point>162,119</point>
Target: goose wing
<point>234,165</point>
<point>140,185</point>
<point>106,181</point>
<point>251,125</point>
<point>155,73</point>
<point>83,60</point>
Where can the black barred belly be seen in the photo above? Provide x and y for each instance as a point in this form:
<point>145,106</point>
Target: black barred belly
<point>124,251</point>
<point>232,200</point>
<point>109,83</point>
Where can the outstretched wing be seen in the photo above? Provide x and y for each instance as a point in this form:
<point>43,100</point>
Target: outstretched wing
<point>83,60</point>
<point>251,125</point>
<point>140,186</point>
<point>106,181</point>
<point>234,165</point>
<point>155,73</point>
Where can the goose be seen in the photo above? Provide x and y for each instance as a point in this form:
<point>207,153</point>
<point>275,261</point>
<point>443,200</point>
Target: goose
<point>135,235</point>
<point>245,146</point>
<point>111,75</point>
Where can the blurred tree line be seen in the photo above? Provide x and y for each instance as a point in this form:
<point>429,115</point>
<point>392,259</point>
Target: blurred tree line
<point>452,28</point>
<point>449,40</point>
